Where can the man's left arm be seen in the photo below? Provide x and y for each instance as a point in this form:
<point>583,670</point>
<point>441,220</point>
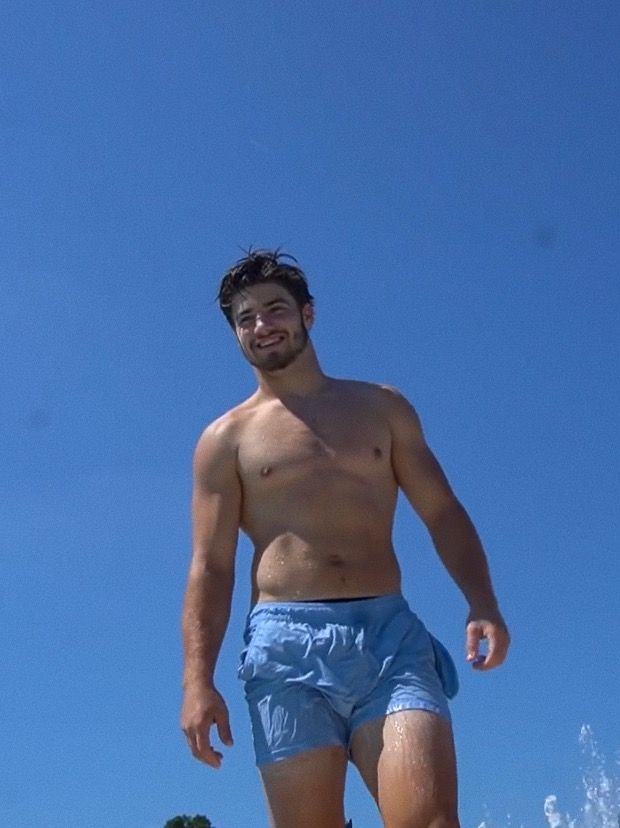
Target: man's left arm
<point>454,536</point>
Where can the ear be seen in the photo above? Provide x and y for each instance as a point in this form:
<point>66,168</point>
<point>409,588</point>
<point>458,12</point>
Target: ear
<point>307,315</point>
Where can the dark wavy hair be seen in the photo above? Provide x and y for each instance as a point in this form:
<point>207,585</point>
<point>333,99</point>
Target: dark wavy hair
<point>258,267</point>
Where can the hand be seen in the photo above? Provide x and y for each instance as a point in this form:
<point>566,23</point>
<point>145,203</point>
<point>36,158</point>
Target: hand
<point>203,708</point>
<point>489,626</point>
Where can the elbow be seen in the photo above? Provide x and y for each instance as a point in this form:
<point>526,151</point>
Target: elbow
<point>208,593</point>
<point>213,563</point>
<point>448,515</point>
<point>206,574</point>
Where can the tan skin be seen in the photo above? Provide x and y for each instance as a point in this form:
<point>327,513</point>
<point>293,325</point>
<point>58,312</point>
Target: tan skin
<point>309,468</point>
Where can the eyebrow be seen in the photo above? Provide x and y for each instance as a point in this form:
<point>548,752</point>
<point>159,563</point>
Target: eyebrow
<point>269,304</point>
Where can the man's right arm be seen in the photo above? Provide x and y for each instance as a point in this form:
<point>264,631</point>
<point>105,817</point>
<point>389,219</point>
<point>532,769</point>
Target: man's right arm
<point>216,505</point>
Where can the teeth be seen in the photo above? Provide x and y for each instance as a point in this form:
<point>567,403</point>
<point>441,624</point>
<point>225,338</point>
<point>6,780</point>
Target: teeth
<point>269,342</point>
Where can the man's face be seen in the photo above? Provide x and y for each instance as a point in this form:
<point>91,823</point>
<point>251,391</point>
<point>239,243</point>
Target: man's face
<point>271,329</point>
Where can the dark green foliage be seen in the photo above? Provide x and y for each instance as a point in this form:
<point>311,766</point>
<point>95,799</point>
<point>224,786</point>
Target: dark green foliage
<point>197,821</point>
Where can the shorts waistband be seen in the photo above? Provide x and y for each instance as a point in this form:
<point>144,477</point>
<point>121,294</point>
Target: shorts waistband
<point>355,611</point>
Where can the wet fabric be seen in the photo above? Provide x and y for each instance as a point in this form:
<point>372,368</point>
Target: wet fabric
<point>315,671</point>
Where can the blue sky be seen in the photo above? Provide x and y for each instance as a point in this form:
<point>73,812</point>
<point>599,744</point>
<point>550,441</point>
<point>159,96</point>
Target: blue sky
<point>447,175</point>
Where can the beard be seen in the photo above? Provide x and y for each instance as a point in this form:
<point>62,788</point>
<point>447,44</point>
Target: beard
<point>279,360</point>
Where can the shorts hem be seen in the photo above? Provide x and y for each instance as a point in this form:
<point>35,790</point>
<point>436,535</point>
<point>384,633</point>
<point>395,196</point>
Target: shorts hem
<point>397,708</point>
<point>294,750</point>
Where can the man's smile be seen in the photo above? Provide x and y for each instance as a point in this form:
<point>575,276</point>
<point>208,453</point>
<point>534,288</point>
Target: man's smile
<point>269,341</point>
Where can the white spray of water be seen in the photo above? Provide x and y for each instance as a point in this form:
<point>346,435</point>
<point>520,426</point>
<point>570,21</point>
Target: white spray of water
<point>601,786</point>
<point>601,808</point>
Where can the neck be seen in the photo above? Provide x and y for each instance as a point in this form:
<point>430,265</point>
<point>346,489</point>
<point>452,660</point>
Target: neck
<point>301,378</point>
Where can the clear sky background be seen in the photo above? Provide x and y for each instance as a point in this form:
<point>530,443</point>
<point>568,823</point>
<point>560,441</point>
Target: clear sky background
<point>447,175</point>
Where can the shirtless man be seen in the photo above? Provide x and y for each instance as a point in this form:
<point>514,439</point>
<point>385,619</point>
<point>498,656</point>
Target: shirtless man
<point>336,666</point>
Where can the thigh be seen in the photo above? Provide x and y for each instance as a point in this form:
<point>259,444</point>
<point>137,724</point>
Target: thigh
<point>408,763</point>
<point>307,790</point>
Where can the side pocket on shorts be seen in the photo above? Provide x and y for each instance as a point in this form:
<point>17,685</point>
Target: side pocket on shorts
<point>247,663</point>
<point>245,671</point>
<point>242,669</point>
<point>254,655</point>
<point>446,668</point>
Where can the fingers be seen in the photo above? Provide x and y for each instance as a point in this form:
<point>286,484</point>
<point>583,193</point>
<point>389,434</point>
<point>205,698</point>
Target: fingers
<point>474,635</point>
<point>223,729</point>
<point>498,640</point>
<point>200,746</point>
<point>205,752</point>
<point>197,729</point>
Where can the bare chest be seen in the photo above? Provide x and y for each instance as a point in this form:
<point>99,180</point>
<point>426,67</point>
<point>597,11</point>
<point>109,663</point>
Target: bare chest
<point>282,443</point>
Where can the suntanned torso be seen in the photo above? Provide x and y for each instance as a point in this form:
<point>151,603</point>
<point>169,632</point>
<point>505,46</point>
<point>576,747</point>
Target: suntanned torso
<point>309,467</point>
<point>318,492</point>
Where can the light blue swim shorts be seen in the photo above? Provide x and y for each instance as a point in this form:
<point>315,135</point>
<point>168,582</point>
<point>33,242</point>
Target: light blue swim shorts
<point>315,671</point>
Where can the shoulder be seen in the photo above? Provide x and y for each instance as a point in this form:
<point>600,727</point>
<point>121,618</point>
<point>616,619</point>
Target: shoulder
<point>388,397</point>
<point>369,391</point>
<point>385,401</point>
<point>220,439</point>
<point>400,412</point>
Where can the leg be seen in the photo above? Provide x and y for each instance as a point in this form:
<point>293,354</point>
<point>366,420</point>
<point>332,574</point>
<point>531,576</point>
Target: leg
<point>408,764</point>
<point>307,790</point>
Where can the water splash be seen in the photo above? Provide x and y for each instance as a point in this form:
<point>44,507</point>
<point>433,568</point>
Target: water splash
<point>601,787</point>
<point>509,822</point>
<point>488,822</point>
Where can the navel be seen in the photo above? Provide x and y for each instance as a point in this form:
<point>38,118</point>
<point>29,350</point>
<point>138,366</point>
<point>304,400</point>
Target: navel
<point>335,560</point>
<point>265,471</point>
<point>377,452</point>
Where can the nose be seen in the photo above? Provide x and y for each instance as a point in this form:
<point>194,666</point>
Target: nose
<point>262,322</point>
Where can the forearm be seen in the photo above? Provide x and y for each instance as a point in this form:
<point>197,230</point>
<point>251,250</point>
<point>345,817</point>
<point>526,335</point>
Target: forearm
<point>459,547</point>
<point>205,618</point>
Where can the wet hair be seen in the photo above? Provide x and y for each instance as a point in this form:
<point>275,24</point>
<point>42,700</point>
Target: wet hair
<point>260,267</point>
